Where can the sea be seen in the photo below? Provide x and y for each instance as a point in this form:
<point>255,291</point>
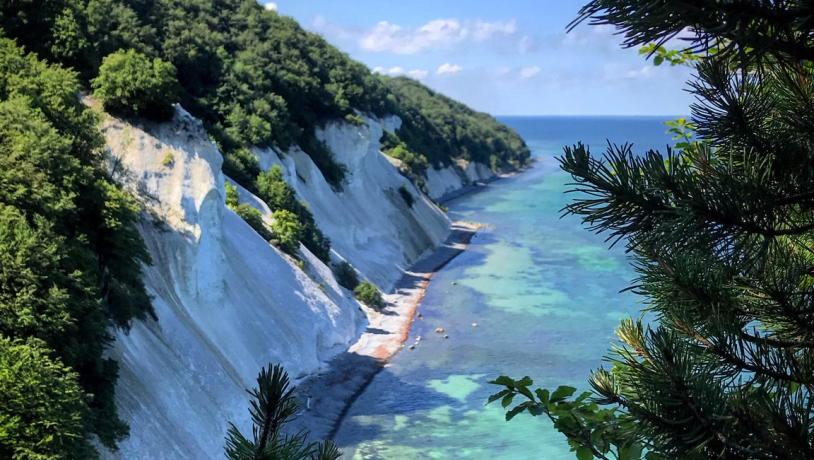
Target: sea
<point>536,294</point>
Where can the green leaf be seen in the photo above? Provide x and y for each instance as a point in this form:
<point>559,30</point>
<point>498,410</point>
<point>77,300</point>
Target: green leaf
<point>503,380</point>
<point>507,400</point>
<point>512,413</point>
<point>585,395</point>
<point>631,452</point>
<point>562,392</point>
<point>525,381</point>
<point>497,396</point>
<point>524,390</point>
<point>535,410</point>
<point>542,395</point>
<point>584,453</point>
<point>658,60</point>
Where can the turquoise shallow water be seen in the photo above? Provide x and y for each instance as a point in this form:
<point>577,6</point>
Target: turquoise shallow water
<point>545,295</point>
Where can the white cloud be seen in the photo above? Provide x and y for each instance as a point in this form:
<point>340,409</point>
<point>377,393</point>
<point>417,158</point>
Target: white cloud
<point>642,73</point>
<point>530,72</point>
<point>619,71</point>
<point>503,71</point>
<point>436,34</point>
<point>270,6</point>
<point>483,30</point>
<point>392,71</point>
<point>418,74</point>
<point>448,69</point>
<point>602,36</point>
<point>527,45</point>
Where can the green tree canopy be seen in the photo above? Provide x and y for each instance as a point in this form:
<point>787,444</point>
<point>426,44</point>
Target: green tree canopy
<point>43,410</point>
<point>257,78</point>
<point>70,253</point>
<point>130,83</point>
<point>443,130</point>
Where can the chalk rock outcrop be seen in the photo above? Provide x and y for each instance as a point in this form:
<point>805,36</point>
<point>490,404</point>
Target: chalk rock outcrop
<point>445,182</point>
<point>227,302</point>
<point>369,222</point>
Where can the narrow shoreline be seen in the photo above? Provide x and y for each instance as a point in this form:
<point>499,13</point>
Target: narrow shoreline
<point>328,395</point>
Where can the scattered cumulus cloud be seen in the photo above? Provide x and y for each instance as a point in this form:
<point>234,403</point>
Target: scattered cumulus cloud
<point>391,71</point>
<point>527,45</point>
<point>530,72</point>
<point>448,69</point>
<point>270,6</point>
<point>418,74</point>
<point>436,34</point>
<point>620,72</point>
<point>603,37</point>
<point>485,30</point>
<point>397,71</point>
<point>643,73</point>
<point>334,31</point>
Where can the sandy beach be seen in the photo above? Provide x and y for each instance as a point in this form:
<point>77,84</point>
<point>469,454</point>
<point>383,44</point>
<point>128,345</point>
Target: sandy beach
<point>327,396</point>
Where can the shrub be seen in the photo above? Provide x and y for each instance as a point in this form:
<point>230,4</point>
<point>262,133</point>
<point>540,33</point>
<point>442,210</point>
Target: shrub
<point>254,218</point>
<point>413,162</point>
<point>355,119</point>
<point>346,275</point>
<point>407,196</point>
<point>169,160</point>
<point>242,167</point>
<point>287,230</point>
<point>232,198</point>
<point>369,295</point>
<point>273,189</point>
<point>130,83</point>
<point>322,156</point>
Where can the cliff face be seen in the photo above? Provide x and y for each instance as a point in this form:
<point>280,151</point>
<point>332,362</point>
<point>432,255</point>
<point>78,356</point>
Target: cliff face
<point>444,182</point>
<point>369,222</point>
<point>229,303</point>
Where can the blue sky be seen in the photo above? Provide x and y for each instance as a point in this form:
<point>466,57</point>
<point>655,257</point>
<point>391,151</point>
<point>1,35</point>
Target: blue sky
<point>510,57</point>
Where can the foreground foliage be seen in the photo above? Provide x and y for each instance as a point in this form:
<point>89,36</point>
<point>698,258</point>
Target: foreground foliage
<point>273,405</point>
<point>721,232</point>
<point>70,260</point>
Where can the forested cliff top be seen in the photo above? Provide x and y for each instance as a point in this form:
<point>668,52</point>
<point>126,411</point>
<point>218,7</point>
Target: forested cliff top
<point>258,79</point>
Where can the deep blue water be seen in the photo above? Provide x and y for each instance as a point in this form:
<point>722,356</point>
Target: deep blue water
<point>545,294</point>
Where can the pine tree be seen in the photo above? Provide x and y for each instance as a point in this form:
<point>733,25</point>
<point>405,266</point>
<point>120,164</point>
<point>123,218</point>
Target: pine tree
<point>273,405</point>
<point>721,231</point>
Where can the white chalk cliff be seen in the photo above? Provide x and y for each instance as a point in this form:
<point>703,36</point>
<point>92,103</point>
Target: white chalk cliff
<point>444,182</point>
<point>229,303</point>
<point>368,221</point>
